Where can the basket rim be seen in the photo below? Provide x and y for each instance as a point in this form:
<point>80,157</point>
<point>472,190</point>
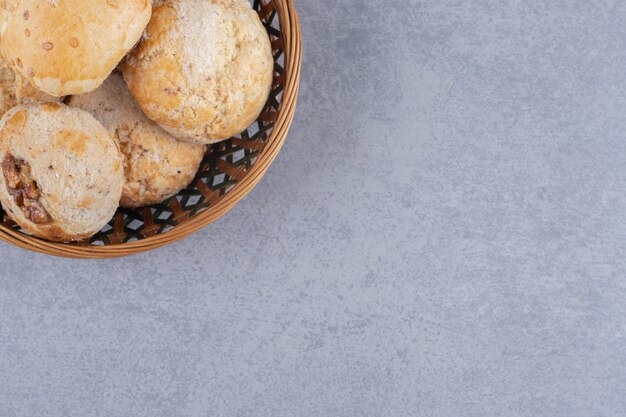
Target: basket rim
<point>292,46</point>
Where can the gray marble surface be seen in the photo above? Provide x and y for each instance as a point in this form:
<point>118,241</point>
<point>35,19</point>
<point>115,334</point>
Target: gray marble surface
<point>443,235</point>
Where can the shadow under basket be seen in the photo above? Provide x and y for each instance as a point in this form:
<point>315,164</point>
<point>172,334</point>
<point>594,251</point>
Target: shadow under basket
<point>229,171</point>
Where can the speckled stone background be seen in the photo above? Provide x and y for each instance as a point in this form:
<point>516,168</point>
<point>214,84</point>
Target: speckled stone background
<point>444,234</point>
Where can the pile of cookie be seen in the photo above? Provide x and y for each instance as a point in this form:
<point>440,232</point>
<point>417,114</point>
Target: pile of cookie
<point>112,103</point>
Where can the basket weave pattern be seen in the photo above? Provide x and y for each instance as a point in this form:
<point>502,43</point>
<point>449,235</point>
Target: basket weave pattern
<point>229,171</point>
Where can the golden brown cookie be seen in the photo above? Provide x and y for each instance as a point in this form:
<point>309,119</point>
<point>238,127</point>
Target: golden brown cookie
<point>61,173</point>
<point>70,46</point>
<point>156,165</point>
<point>204,69</point>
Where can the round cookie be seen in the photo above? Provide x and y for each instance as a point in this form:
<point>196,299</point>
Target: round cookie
<point>204,69</point>
<point>61,173</point>
<point>156,165</point>
<point>70,46</point>
<point>15,89</point>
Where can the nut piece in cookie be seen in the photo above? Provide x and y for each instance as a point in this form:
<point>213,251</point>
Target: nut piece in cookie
<point>204,69</point>
<point>23,189</point>
<point>156,165</point>
<point>61,171</point>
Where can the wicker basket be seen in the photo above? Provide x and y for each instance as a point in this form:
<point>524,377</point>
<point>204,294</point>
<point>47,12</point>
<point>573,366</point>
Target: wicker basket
<point>229,171</point>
